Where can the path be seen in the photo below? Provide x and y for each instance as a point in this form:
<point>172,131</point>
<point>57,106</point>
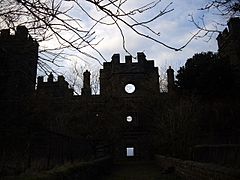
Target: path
<point>138,171</point>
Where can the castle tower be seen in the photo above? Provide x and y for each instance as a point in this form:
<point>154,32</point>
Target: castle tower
<point>18,67</point>
<point>132,87</point>
<point>50,78</point>
<point>170,79</point>
<point>129,79</point>
<point>229,46</point>
<point>86,90</point>
<point>229,42</point>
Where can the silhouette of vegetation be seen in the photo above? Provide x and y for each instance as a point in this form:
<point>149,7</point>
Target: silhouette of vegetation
<point>204,108</point>
<point>50,126</point>
<point>206,74</point>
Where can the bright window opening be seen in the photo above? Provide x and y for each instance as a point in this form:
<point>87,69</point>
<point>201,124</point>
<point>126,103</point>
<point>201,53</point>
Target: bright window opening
<point>130,151</point>
<point>130,88</point>
<point>129,118</point>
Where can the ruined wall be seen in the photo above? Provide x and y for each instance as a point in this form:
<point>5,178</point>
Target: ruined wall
<point>192,170</point>
<point>18,66</point>
<point>222,154</point>
<point>229,41</point>
<point>129,86</point>
<point>54,88</point>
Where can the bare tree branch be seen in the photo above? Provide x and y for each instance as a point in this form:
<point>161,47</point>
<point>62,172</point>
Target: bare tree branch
<point>70,26</point>
<point>221,8</point>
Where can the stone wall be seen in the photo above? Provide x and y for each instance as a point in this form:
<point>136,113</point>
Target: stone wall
<point>94,169</point>
<point>222,154</point>
<point>192,170</point>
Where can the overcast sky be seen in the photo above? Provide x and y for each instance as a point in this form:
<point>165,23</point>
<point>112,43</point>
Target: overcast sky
<point>175,29</point>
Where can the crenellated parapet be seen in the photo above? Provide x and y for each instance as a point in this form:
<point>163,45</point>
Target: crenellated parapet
<point>115,75</point>
<point>170,80</point>
<point>21,34</point>
<point>142,64</point>
<point>58,88</point>
<point>19,57</point>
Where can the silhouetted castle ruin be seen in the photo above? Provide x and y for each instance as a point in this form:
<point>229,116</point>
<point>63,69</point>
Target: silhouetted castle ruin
<point>229,42</point>
<point>19,57</point>
<point>124,113</point>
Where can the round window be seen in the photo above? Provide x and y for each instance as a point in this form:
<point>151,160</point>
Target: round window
<point>130,88</point>
<point>129,118</point>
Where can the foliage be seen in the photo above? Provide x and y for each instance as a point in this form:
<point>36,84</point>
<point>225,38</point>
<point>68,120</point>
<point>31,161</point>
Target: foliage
<point>174,126</point>
<point>206,74</point>
<point>204,111</point>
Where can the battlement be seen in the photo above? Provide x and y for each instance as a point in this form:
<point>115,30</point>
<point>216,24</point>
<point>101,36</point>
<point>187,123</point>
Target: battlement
<point>55,88</point>
<point>141,57</point>
<point>115,62</point>
<point>231,32</point>
<point>20,56</point>
<point>117,73</point>
<point>21,33</point>
<point>60,79</point>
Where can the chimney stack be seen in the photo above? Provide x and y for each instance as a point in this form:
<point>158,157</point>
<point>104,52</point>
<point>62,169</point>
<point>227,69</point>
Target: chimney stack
<point>86,90</point>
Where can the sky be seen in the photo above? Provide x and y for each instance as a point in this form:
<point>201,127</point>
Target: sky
<point>174,27</point>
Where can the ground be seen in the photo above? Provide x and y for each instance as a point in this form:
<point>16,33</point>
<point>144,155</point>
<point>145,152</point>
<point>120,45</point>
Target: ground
<point>138,171</point>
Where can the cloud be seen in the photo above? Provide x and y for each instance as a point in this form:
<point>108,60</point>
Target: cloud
<point>174,27</point>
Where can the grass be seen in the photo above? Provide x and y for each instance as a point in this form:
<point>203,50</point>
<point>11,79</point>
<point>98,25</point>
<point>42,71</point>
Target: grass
<point>139,171</point>
<point>56,173</point>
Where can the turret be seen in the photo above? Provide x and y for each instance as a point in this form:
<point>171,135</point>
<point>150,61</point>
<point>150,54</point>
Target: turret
<point>234,25</point>
<point>141,57</point>
<point>228,42</point>
<point>86,90</point>
<point>170,79</point>
<point>19,52</point>
<point>230,32</point>
<point>50,78</point>
<point>22,32</point>
<point>39,82</point>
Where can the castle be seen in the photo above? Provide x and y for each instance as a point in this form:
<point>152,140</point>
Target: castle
<point>124,113</point>
<point>229,42</point>
<point>122,109</point>
<point>229,45</point>
<point>19,57</point>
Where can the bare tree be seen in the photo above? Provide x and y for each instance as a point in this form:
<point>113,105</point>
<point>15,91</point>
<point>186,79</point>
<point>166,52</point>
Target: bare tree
<point>163,79</point>
<point>224,7</point>
<point>95,83</point>
<point>70,25</point>
<point>75,78</point>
